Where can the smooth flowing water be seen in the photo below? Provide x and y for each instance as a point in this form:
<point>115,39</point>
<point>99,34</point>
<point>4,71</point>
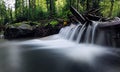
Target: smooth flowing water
<point>94,31</point>
<point>88,34</point>
<point>58,53</point>
<point>80,33</point>
<point>74,32</point>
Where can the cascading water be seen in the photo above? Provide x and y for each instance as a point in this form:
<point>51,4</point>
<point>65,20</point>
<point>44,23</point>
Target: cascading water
<point>63,31</point>
<point>80,34</point>
<point>75,31</point>
<point>60,32</point>
<point>88,34</point>
<point>95,25</point>
<point>68,33</point>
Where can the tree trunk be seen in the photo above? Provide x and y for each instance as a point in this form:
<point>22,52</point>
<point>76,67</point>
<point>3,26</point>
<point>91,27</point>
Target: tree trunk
<point>47,3</point>
<point>77,5</point>
<point>87,5</point>
<point>111,8</point>
<point>51,8</point>
<point>95,4</point>
<point>70,2</point>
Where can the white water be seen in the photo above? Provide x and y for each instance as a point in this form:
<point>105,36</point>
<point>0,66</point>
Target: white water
<point>94,31</point>
<point>81,33</point>
<point>88,34</point>
<point>68,33</point>
<point>74,32</point>
<point>63,31</point>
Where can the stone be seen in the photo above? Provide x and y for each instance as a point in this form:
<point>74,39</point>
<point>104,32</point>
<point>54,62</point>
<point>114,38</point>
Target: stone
<point>16,33</point>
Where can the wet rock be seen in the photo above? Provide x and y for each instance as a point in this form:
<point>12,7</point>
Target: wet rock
<point>16,33</point>
<point>25,26</point>
<point>46,30</point>
<point>26,31</point>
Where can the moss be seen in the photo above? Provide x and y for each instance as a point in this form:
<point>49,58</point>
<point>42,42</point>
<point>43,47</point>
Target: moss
<point>25,22</point>
<point>34,23</point>
<point>54,22</point>
<point>17,24</point>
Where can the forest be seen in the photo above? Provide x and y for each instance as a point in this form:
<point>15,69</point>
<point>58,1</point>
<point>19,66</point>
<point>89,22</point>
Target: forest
<point>35,10</point>
<point>48,11</point>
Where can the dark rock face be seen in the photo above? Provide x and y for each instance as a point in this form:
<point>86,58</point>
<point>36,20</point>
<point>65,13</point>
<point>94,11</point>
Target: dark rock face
<point>42,31</point>
<point>46,31</point>
<point>2,28</point>
<point>14,33</point>
<point>111,36</point>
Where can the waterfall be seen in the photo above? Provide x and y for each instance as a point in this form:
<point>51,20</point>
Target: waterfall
<point>80,34</point>
<point>95,25</point>
<point>88,34</point>
<point>68,32</point>
<point>63,31</point>
<point>73,34</point>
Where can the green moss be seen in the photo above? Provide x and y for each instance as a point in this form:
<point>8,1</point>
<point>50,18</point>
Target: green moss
<point>34,23</point>
<point>25,22</point>
<point>17,24</point>
<point>54,22</point>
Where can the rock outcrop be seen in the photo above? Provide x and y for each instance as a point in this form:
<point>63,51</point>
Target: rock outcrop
<point>16,33</point>
<point>25,32</point>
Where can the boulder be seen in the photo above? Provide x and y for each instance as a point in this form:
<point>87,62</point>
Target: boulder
<point>16,33</point>
<point>25,26</point>
<point>26,31</point>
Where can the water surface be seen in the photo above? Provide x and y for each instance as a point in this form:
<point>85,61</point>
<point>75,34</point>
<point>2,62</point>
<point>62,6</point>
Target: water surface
<point>55,54</point>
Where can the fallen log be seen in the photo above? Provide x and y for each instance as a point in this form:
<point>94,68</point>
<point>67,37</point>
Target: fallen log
<point>88,16</point>
<point>93,11</point>
<point>77,15</point>
<point>96,18</point>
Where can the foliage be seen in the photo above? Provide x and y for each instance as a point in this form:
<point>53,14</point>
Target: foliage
<point>105,5</point>
<point>35,10</point>
<point>54,22</point>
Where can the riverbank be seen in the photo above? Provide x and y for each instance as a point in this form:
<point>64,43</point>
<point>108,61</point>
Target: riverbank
<point>31,29</point>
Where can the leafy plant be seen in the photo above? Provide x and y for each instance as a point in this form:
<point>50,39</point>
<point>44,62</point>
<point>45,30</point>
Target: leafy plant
<point>54,22</point>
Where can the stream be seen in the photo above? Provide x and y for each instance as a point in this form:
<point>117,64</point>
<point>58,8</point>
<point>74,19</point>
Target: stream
<point>63,52</point>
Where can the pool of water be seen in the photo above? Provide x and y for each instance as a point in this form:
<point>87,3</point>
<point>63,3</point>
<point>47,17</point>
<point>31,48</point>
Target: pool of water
<point>54,54</point>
